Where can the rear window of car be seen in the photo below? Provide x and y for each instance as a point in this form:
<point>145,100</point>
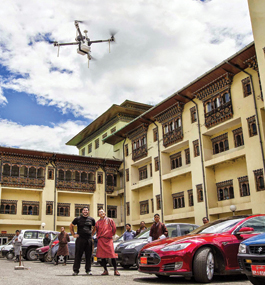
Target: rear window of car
<point>31,235</point>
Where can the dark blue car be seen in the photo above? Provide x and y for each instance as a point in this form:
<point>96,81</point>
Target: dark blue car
<point>251,259</point>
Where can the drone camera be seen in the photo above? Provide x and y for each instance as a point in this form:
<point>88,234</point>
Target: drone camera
<point>83,49</point>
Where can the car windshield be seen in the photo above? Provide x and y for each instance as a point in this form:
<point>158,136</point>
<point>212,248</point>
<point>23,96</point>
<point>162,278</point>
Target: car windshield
<point>219,226</point>
<point>144,234</point>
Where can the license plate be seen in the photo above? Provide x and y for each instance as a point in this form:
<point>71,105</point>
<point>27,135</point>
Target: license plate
<point>95,259</point>
<point>258,270</point>
<point>143,260</point>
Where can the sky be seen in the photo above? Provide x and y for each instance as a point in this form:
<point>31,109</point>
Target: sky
<point>160,47</point>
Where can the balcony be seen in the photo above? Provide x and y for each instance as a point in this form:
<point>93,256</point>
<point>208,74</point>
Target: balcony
<point>172,137</point>
<point>139,153</point>
<point>76,186</point>
<point>23,182</point>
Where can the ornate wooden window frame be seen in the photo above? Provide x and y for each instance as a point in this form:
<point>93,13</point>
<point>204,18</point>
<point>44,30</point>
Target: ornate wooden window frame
<point>187,155</point>
<point>49,207</point>
<point>89,148</point>
<point>199,193</point>
<point>50,173</point>
<point>144,207</point>
<point>158,202</point>
<point>143,173</point>
<point>79,208</point>
<point>175,160</point>
<point>259,178</point>
<point>30,208</point>
<point>65,209</point>
<point>127,208</point>
<point>243,186</point>
<point>238,137</point>
<point>196,149</point>
<point>97,143</point>
<point>252,126</point>
<point>178,200</point>
<point>156,163</point>
<point>191,200</point>
<point>193,114</point>
<point>225,190</point>
<point>155,135</point>
<point>220,143</point>
<point>139,142</point>
<point>126,150</point>
<point>127,175</point>
<point>8,207</point>
<point>112,212</point>
<point>246,87</point>
<point>100,178</point>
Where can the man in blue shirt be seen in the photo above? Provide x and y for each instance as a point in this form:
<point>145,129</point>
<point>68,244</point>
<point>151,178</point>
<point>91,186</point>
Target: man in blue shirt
<point>129,234</point>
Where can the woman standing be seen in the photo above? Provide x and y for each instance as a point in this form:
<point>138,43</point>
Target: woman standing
<point>63,238</point>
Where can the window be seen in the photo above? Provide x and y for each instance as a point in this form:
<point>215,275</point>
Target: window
<point>127,175</point>
<point>89,148</point>
<point>83,151</point>
<point>178,200</point>
<point>8,207</point>
<point>68,175</point>
<point>246,87</point>
<point>79,208</point>
<point>127,208</point>
<point>84,177</point>
<point>126,150</point>
<point>63,209</point>
<point>259,179</point>
<point>112,212</point>
<point>193,115</point>
<point>60,174</point>
<point>151,170</point>
<point>99,207</point>
<point>155,135</point>
<point>144,207</point>
<point>50,173</point>
<point>6,170</point>
<point>30,208</point>
<point>225,190</point>
<point>143,173</point>
<point>187,155</point>
<point>175,160</point>
<point>24,172</point>
<point>199,193</point>
<point>96,143</point>
<point>49,207</point>
<point>113,130</point>
<point>252,127</point>
<point>103,137</point>
<point>32,172</point>
<point>190,195</point>
<point>257,223</point>
<point>238,137</point>
<point>100,177</point>
<point>139,147</point>
<point>158,202</point>
<point>77,176</point>
<point>220,143</point>
<point>15,171</point>
<point>243,186</point>
<point>196,149</point>
<point>156,163</point>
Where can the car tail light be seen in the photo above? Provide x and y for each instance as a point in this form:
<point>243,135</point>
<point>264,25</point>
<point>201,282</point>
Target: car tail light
<point>53,244</point>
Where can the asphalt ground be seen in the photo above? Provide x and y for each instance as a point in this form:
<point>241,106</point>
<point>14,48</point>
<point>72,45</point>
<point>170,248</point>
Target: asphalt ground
<point>41,273</point>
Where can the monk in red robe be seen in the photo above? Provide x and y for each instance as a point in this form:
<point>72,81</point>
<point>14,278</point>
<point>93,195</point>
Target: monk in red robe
<point>106,229</point>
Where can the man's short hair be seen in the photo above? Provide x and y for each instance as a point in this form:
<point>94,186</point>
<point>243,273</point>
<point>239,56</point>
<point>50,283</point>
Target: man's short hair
<point>205,218</point>
<point>86,207</point>
<point>100,209</point>
<point>156,215</point>
<point>142,222</point>
<point>128,225</point>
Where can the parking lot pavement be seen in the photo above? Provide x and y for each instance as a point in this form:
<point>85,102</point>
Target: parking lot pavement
<point>46,273</point>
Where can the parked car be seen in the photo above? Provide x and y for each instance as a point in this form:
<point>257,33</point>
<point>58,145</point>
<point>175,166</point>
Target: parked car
<point>208,250</point>
<point>33,239</point>
<point>71,247</point>
<point>251,259</point>
<point>128,251</point>
<point>8,245</point>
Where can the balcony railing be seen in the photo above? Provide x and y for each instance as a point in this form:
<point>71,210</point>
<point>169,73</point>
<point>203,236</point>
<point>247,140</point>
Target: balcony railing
<point>23,181</point>
<point>172,137</point>
<point>139,153</point>
<point>76,186</point>
<point>218,115</point>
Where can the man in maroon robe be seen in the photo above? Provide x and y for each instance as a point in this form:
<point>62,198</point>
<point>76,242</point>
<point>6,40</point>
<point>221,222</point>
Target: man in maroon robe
<point>158,229</point>
<point>63,238</point>
<point>106,229</point>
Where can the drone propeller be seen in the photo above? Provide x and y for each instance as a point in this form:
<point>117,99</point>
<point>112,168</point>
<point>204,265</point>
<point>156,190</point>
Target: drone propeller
<point>112,34</point>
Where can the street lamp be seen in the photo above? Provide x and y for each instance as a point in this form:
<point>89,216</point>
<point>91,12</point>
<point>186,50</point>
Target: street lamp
<point>233,209</point>
<point>43,225</point>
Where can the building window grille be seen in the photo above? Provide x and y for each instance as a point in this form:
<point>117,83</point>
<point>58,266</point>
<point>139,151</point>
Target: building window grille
<point>199,193</point>
<point>8,207</point>
<point>144,207</point>
<point>238,137</point>
<point>156,163</point>
<point>158,202</point>
<point>187,155</point>
<point>246,87</point>
<point>50,173</point>
<point>196,148</point>
<point>143,173</point>
<point>155,135</point>
<point>96,143</point>
<point>100,177</point>
<point>178,200</point>
<point>225,190</point>
<point>112,212</point>
<point>30,208</point>
<point>259,179</point>
<point>252,126</point>
<point>243,186</point>
<point>89,148</point>
<point>176,160</point>
<point>63,209</point>
<point>83,151</point>
<point>190,195</point>
<point>193,115</point>
<point>49,208</point>
<point>220,143</point>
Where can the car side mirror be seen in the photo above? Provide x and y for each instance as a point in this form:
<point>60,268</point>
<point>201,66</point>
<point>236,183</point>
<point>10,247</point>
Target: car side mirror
<point>245,231</point>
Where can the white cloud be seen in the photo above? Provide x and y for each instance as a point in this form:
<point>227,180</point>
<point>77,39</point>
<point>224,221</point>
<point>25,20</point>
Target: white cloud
<point>43,138</point>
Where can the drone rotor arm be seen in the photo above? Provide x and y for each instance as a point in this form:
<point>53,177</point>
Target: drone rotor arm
<point>65,44</point>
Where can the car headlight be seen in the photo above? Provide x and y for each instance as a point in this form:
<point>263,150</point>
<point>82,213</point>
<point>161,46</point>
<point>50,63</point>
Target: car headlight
<point>133,245</point>
<point>242,248</point>
<point>176,247</point>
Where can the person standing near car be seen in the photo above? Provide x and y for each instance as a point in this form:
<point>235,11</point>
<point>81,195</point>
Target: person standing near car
<point>158,229</point>
<point>46,240</point>
<point>141,229</point>
<point>106,229</point>
<point>83,241</point>
<point>63,238</point>
<point>17,241</point>
<point>129,234</point>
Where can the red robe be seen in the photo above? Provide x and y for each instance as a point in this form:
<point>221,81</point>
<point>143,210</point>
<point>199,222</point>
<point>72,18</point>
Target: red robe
<point>105,228</point>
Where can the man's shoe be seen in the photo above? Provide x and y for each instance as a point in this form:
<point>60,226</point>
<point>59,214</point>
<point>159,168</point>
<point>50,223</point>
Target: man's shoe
<point>116,272</point>
<point>75,274</point>
<point>89,273</point>
<point>105,272</point>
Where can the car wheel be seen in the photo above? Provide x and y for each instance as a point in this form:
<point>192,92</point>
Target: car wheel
<point>47,258</point>
<point>203,265</point>
<point>31,254</point>
<point>256,280</point>
<point>10,255</point>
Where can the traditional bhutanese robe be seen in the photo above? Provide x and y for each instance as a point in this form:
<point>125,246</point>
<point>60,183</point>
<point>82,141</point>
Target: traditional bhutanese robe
<point>105,228</point>
<point>157,230</point>
<point>17,241</point>
<point>63,244</point>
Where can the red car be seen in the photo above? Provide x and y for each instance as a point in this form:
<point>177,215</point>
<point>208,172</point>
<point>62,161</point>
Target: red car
<point>208,250</point>
<point>43,252</point>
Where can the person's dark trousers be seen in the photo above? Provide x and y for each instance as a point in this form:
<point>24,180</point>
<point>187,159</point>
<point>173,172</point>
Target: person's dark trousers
<point>82,245</point>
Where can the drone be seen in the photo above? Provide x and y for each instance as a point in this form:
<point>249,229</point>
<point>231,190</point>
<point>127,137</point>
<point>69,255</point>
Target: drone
<point>83,42</point>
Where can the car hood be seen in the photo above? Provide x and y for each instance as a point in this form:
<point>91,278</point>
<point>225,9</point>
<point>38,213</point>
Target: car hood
<point>132,241</point>
<point>258,239</point>
<point>7,247</point>
<point>196,239</point>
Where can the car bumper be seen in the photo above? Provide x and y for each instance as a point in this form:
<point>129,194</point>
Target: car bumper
<point>246,260</point>
<point>127,257</point>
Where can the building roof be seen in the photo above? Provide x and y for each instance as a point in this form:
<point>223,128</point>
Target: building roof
<point>185,94</point>
<point>127,107</point>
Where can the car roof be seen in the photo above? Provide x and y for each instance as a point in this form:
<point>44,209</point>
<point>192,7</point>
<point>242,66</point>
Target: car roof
<point>41,231</point>
<point>174,224</point>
